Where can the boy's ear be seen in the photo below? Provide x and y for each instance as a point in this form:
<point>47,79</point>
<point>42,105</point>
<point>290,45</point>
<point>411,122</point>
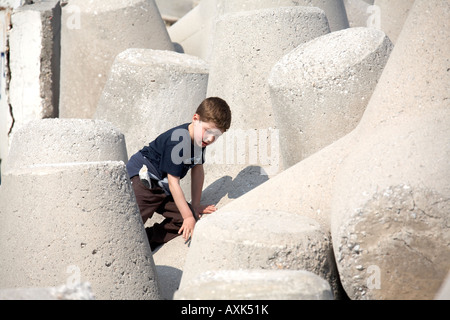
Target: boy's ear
<point>196,117</point>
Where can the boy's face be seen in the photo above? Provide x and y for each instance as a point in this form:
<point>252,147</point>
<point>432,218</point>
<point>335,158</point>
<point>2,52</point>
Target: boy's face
<point>205,133</point>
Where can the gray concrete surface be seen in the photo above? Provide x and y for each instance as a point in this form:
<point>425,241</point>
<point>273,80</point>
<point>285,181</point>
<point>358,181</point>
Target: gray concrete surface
<point>256,285</point>
<point>320,90</point>
<point>93,34</point>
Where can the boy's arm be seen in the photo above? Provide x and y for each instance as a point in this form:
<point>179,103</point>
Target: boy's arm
<point>197,179</point>
<point>178,196</point>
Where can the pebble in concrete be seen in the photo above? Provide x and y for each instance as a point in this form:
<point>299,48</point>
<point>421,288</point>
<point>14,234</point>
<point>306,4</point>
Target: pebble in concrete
<point>256,285</point>
<point>390,205</point>
<point>320,90</point>
<point>259,240</point>
<point>150,91</point>
<point>73,221</point>
<point>93,34</point>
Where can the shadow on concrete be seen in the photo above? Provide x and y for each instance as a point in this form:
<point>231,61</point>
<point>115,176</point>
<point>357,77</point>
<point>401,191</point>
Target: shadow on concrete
<point>169,279</point>
<point>248,179</point>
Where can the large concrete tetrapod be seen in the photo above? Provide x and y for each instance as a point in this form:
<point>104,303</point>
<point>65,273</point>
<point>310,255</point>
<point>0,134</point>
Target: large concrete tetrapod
<point>320,90</point>
<point>71,219</point>
<point>93,33</point>
<point>151,91</point>
<point>247,45</point>
<point>256,285</point>
<point>260,239</point>
<point>390,222</point>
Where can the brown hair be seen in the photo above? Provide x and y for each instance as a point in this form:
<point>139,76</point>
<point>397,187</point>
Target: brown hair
<point>217,111</point>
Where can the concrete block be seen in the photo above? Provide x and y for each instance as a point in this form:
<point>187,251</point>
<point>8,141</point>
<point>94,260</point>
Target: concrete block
<point>169,261</point>
<point>309,187</point>
<point>75,220</point>
<point>194,32</point>
<point>93,34</point>
<point>6,119</point>
<point>390,203</point>
<point>173,10</point>
<point>321,89</point>
<point>259,239</point>
<point>68,214</point>
<point>334,9</point>
<point>256,285</point>
<point>13,3</point>
<point>80,291</point>
<point>444,291</point>
<point>359,12</point>
<point>242,59</point>
<point>240,66</point>
<point>151,91</point>
<point>393,15</point>
<point>59,141</point>
<point>34,60</point>
<point>305,189</point>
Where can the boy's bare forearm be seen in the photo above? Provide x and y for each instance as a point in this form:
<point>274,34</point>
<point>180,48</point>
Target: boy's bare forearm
<point>179,198</point>
<point>197,180</point>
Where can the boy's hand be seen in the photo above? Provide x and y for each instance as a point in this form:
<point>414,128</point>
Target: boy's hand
<point>208,209</point>
<point>187,229</point>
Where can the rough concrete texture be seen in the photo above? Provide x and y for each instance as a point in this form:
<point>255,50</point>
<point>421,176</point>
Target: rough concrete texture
<point>304,189</point>
<point>81,291</point>
<point>320,89</point>
<point>247,45</point>
<point>195,32</point>
<point>60,141</point>
<point>171,11</point>
<point>360,13</point>
<point>308,187</point>
<point>169,261</point>
<point>151,91</point>
<point>34,63</point>
<point>81,217</point>
<point>259,239</point>
<point>12,3</point>
<point>334,9</point>
<point>390,207</point>
<point>93,34</point>
<point>393,15</point>
<point>256,285</point>
<point>444,291</point>
<point>240,66</point>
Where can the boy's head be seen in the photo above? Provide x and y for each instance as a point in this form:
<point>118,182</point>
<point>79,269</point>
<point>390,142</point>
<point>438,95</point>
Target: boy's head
<point>211,120</point>
<point>217,111</point>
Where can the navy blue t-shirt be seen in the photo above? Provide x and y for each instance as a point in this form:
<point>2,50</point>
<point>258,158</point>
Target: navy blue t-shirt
<point>173,152</point>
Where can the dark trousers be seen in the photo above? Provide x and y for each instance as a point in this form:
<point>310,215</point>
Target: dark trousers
<point>151,200</point>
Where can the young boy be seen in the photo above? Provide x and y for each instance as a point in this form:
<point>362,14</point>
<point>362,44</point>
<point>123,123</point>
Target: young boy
<point>168,159</point>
